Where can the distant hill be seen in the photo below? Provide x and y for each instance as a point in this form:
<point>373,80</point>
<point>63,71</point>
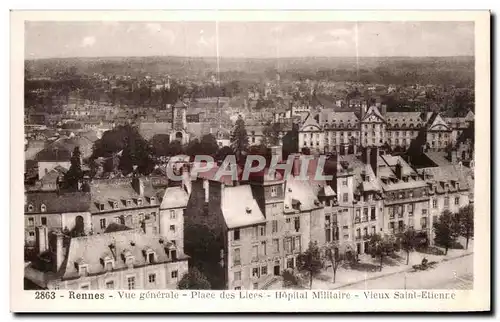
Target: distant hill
<point>424,70</point>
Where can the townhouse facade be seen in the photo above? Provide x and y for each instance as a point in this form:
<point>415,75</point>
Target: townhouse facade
<point>344,132</point>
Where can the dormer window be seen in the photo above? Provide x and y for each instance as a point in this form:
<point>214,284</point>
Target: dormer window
<point>30,208</point>
<point>108,264</point>
<point>248,210</point>
<point>43,208</point>
<point>150,256</point>
<point>83,269</point>
<point>152,200</point>
<point>139,201</point>
<point>101,207</point>
<point>129,202</point>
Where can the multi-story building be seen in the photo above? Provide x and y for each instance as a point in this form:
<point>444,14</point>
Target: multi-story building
<point>132,202</point>
<point>345,131</point>
<point>123,260</point>
<point>56,211</point>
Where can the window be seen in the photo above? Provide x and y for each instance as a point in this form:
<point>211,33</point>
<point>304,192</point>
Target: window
<point>275,226</point>
<point>255,255</point>
<point>328,234</point>
<point>391,226</point>
<point>263,270</point>
<point>117,220</point>
<point>374,230</point>
<point>30,208</point>
<point>410,209</point>
<point>274,191</point>
<point>276,245</point>
<point>102,222</point>
<point>255,286</point>
<point>255,272</point>
<point>141,217</point>
<point>365,231</point>
<point>109,265</point>
<point>129,203</point>
<point>457,200</point>
<point>345,197</point>
<point>344,182</point>
<point>110,285</point>
<point>365,214</point>
<point>262,230</point>
<point>401,225</point>
<point>84,286</point>
<point>289,263</point>
<point>237,288</point>
<point>31,234</point>
<point>174,274</point>
<point>152,278</point>
<point>151,258</point>
<point>297,244</point>
<point>172,228</point>
<point>31,221</point>
<point>139,201</point>
<point>373,215</point>
<point>237,276</point>
<point>423,222</point>
<point>358,233</point>
<point>296,222</point>
<point>236,234</point>
<point>424,212</point>
<point>43,208</point>
<point>434,203</point>
<point>263,248</point>
<point>131,283</point>
<point>172,214</point>
<point>446,201</point>
<point>236,257</point>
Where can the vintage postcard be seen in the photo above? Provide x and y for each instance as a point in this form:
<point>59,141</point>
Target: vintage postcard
<point>250,161</point>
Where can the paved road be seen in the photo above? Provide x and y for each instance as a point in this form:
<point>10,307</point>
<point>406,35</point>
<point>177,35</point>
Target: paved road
<point>454,274</point>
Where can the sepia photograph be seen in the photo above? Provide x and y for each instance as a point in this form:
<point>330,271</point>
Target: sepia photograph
<point>252,155</point>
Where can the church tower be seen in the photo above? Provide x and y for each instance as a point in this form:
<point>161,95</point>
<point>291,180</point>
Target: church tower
<point>179,123</point>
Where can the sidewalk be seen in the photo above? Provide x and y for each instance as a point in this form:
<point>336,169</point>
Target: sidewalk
<point>370,268</point>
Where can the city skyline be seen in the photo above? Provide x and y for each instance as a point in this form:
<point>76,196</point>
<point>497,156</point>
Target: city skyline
<point>259,40</point>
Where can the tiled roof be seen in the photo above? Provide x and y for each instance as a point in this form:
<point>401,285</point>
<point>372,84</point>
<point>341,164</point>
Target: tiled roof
<point>239,207</point>
<point>53,155</point>
<point>301,191</point>
<point>107,191</point>
<point>148,130</point>
<point>341,119</point>
<point>92,250</point>
<point>439,158</point>
<point>57,202</point>
<point>174,197</point>
<point>448,174</point>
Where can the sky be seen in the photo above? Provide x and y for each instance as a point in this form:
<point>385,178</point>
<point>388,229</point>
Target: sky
<point>248,39</point>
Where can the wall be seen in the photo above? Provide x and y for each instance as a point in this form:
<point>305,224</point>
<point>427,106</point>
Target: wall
<point>134,213</point>
<point>163,278</point>
<point>45,166</point>
<point>166,220</point>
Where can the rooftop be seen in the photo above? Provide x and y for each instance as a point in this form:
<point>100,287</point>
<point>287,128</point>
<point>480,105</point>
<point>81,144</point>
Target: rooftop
<point>239,207</point>
<point>57,202</point>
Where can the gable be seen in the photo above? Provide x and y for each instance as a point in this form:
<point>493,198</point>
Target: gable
<point>373,115</point>
<point>439,124</point>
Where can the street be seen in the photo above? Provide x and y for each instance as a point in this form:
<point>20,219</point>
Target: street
<point>453,274</point>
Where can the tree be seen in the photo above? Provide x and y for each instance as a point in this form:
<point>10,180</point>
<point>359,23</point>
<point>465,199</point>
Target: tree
<point>223,153</point>
<point>194,280</point>
<point>408,241</point>
<point>239,139</point>
<point>335,258</point>
<point>446,230</point>
<point>159,143</point>
<point>466,217</point>
<point>209,145</point>
<point>310,262</point>
<point>175,148</point>
<point>193,148</point>
<point>381,246</point>
<point>271,134</point>
<point>126,164</point>
<point>74,175</point>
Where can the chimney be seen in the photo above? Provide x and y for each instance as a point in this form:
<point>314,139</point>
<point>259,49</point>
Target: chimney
<point>384,109</point>
<point>138,185</point>
<point>399,170</point>
<point>148,228</point>
<point>363,111</point>
<point>366,155</point>
<point>374,160</point>
<point>296,165</point>
<point>57,249</point>
<point>277,151</point>
<point>42,239</point>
